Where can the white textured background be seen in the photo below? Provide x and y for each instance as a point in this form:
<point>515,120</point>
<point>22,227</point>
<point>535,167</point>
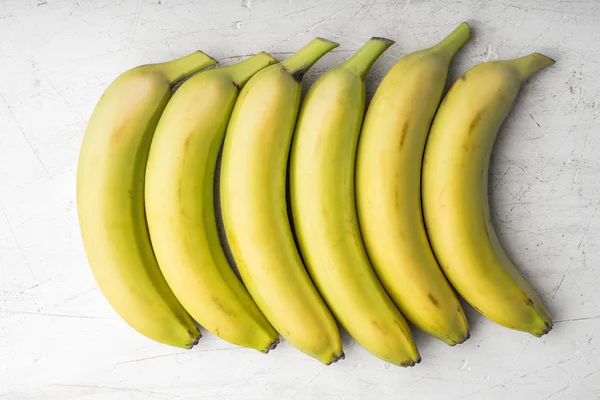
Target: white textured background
<point>59,339</point>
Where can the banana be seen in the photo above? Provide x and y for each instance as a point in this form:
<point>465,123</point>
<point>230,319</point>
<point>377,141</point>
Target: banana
<point>180,206</point>
<point>253,203</point>
<point>324,210</point>
<point>110,200</point>
<point>388,192</point>
<point>455,199</point>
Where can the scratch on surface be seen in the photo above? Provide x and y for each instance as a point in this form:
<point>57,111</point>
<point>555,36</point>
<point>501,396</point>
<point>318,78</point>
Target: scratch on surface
<point>587,228</point>
<point>323,21</point>
<point>524,169</point>
<point>366,8</point>
<point>26,139</point>
<point>134,28</point>
<point>376,20</point>
<point>118,388</point>
<point>12,233</point>
<point>63,98</point>
<point>312,27</point>
<point>577,319</point>
<point>561,390</point>
<point>557,288</point>
<point>162,30</point>
<point>517,7</point>
<point>305,386</point>
<point>524,348</point>
<point>150,358</point>
<point>303,10</point>
<point>361,7</point>
<point>39,283</point>
<point>587,139</point>
<point>63,315</point>
<point>39,160</point>
<point>410,20</point>
<point>560,283</point>
<point>215,29</point>
<point>509,380</point>
<point>543,31</point>
<point>539,126</point>
<point>590,374</point>
<point>78,294</point>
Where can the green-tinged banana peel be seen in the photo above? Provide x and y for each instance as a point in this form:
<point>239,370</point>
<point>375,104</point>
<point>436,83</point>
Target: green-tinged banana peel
<point>253,204</point>
<point>324,210</point>
<point>388,189</point>
<point>180,205</point>
<point>455,194</point>
<point>110,200</point>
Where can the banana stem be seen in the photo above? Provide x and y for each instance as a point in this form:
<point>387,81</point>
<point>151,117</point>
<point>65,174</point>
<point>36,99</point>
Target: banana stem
<point>241,72</point>
<point>178,69</point>
<point>529,65</point>
<point>450,45</point>
<point>301,61</point>
<point>363,59</point>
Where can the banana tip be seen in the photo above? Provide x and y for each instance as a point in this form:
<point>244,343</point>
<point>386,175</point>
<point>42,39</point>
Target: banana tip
<point>210,57</point>
<point>336,357</point>
<point>548,328</point>
<point>272,346</point>
<point>327,41</point>
<point>383,40</point>
<point>465,338</point>
<point>411,363</point>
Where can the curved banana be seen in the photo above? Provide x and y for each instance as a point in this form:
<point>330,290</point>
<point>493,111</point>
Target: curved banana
<point>324,210</point>
<point>110,200</point>
<point>180,206</point>
<point>253,203</point>
<point>388,189</point>
<point>455,199</point>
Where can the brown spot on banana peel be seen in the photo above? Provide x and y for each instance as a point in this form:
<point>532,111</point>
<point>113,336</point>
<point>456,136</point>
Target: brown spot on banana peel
<point>403,135</point>
<point>472,127</point>
<point>186,144</point>
<point>475,122</point>
<point>222,307</point>
<point>378,327</point>
<point>529,302</point>
<point>434,300</point>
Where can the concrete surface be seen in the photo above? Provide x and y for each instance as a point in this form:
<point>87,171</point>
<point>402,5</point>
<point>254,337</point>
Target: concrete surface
<point>59,339</point>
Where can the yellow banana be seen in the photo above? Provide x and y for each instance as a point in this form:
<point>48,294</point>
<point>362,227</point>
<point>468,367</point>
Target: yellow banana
<point>110,200</point>
<point>388,189</point>
<point>324,210</point>
<point>253,203</point>
<point>180,206</point>
<point>455,199</point>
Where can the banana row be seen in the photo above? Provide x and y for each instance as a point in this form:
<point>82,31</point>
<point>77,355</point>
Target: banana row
<point>384,212</point>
